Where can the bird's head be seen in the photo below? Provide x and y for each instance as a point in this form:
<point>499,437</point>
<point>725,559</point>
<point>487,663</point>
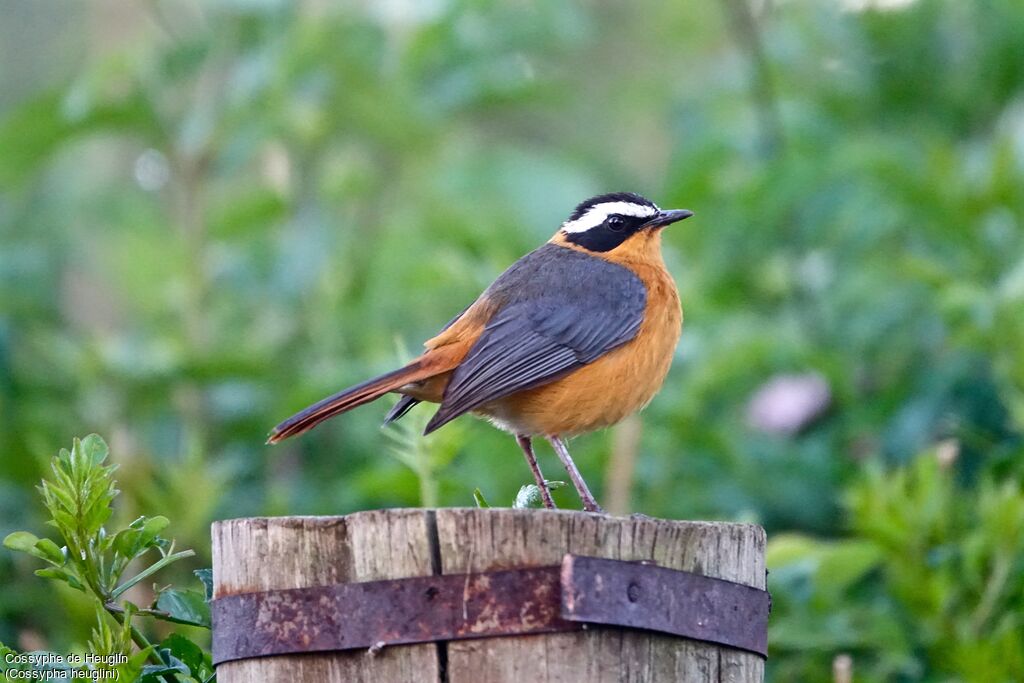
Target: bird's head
<point>604,222</point>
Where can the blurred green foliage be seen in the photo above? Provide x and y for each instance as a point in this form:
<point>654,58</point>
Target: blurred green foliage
<point>213,213</point>
<point>929,587</point>
<point>78,496</point>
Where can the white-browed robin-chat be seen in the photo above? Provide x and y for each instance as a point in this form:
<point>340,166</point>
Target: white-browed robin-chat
<point>574,336</point>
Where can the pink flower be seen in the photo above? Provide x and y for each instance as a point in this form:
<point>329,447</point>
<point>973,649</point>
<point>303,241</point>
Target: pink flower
<point>786,404</point>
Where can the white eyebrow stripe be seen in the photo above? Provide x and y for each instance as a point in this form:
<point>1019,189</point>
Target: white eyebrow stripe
<point>597,214</point>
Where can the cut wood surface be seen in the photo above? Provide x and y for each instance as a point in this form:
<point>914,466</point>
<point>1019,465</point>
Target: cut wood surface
<point>261,554</point>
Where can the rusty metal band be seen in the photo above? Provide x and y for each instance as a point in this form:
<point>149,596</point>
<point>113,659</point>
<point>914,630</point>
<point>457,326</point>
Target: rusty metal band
<point>583,590</point>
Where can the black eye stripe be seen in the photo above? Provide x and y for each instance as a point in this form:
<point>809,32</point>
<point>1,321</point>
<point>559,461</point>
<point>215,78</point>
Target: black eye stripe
<point>601,238</point>
<point>615,230</point>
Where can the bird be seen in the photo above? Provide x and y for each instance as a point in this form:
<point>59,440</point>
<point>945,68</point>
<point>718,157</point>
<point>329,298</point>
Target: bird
<point>575,336</point>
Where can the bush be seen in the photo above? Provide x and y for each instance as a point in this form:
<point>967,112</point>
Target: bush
<point>93,561</point>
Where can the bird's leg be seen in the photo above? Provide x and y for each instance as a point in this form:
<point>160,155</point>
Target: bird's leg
<point>527,446</point>
<point>589,503</point>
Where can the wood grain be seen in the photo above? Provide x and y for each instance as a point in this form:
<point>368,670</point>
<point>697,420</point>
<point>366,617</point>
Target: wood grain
<point>291,552</point>
<point>480,540</point>
<point>260,554</point>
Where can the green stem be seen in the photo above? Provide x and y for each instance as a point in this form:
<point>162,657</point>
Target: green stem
<point>149,571</point>
<point>113,608</point>
<point>141,642</point>
<point>993,589</point>
<point>428,487</point>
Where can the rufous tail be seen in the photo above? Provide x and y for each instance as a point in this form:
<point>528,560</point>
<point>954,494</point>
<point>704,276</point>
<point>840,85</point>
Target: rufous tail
<point>348,399</point>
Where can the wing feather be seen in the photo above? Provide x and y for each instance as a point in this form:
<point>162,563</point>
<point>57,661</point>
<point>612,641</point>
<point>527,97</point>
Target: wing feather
<point>557,310</point>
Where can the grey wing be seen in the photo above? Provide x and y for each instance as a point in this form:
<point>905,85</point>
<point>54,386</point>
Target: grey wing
<point>568,310</point>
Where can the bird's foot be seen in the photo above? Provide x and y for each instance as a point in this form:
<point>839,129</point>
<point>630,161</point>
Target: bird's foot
<point>589,502</point>
<point>545,492</point>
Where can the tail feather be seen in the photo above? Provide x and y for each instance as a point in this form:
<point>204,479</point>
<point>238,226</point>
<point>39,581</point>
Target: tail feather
<point>404,405</point>
<point>347,400</point>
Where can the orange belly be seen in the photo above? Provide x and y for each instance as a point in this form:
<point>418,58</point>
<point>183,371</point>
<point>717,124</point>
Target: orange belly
<point>608,390</point>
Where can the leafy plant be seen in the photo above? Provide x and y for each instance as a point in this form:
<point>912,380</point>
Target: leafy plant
<point>79,499</point>
<point>928,587</point>
<point>426,456</point>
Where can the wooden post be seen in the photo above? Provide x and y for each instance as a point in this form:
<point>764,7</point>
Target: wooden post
<point>259,554</point>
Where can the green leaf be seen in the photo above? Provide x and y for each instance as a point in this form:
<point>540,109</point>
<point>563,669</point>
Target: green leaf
<point>66,500</point>
<point>478,498</point>
<point>139,537</point>
<point>60,575</point>
<point>126,542</point>
<point>243,211</point>
<point>29,133</point>
<point>785,549</point>
<point>22,541</point>
<point>529,494</point>
<point>206,576</point>
<point>132,669</point>
<point>154,673</point>
<point>95,449</point>
<point>7,659</point>
<point>153,526</point>
<point>43,548</point>
<point>834,565</point>
<point>97,515</point>
<point>65,523</point>
<point>184,606</point>
<point>185,651</point>
<point>50,551</point>
<point>843,563</point>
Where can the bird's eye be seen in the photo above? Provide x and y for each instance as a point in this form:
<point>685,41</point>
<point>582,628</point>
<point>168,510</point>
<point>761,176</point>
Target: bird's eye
<point>616,224</point>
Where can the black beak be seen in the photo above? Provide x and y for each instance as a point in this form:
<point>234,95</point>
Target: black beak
<point>664,218</point>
